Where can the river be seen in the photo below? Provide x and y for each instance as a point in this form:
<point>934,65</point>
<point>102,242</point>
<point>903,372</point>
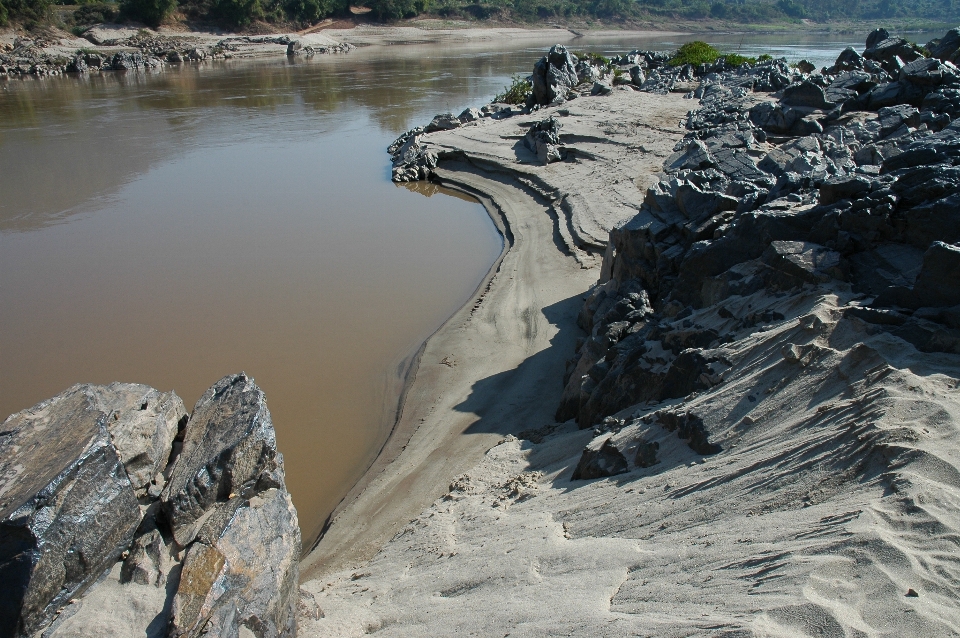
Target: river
<point>169,228</point>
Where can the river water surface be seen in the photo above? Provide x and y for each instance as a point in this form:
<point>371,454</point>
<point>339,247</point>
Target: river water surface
<point>174,227</point>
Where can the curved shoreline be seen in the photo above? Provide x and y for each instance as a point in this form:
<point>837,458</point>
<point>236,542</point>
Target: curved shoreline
<point>398,438</point>
<point>352,537</point>
<point>504,356</point>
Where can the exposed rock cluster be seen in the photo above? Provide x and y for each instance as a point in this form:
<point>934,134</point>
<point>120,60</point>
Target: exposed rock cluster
<point>847,179</point>
<point>143,51</point>
<point>195,504</point>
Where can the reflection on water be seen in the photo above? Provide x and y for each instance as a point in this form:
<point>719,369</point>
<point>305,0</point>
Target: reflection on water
<point>174,227</point>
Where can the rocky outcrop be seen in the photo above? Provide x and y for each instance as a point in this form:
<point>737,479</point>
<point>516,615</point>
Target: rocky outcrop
<point>72,469</point>
<point>144,50</point>
<point>554,75</point>
<point>100,474</point>
<point>859,188</point>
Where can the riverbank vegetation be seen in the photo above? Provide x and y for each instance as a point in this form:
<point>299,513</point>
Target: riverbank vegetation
<point>239,14</point>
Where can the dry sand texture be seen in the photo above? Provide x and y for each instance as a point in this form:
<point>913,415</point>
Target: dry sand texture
<point>836,494</point>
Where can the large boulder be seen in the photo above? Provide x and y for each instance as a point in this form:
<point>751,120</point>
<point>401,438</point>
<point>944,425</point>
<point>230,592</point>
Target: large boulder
<point>938,283</point>
<point>71,468</point>
<point>229,450</point>
<point>945,48</point>
<point>242,574</point>
<point>806,94</point>
<point>543,139</point>
<point>554,75</point>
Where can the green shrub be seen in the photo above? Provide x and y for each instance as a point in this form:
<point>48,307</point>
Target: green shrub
<point>95,13</point>
<point>735,59</point>
<point>397,9</point>
<point>23,10</point>
<point>594,58</point>
<point>516,92</point>
<point>766,57</point>
<point>314,10</point>
<point>696,52</point>
<point>150,12</point>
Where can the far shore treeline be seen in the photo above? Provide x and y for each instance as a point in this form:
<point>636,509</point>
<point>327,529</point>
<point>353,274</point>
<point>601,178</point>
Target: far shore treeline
<point>240,14</point>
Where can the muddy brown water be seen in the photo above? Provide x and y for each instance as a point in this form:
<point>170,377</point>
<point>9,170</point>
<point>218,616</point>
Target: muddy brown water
<point>174,227</point>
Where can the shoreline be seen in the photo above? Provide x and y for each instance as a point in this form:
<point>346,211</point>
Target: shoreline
<point>514,197</point>
<point>423,379</point>
<point>398,437</point>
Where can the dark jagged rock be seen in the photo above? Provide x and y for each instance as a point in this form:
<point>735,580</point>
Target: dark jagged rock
<point>71,469</point>
<point>807,94</point>
<point>236,575</point>
<point>945,48</point>
<point>866,192</point>
<point>554,75</point>
<point>443,122</point>
<point>687,426</point>
<point>229,449</point>
<point>543,139</point>
<point>607,460</point>
<point>81,474</point>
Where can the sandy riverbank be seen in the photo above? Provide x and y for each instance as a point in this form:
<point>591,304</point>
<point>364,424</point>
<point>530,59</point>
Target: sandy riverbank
<point>496,366</point>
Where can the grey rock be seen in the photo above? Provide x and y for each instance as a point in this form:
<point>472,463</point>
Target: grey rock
<point>773,117</point>
<point>695,156</point>
<point>806,261</point>
<point>601,88</point>
<point>543,139</point>
<point>848,60</point>
<point>196,55</point>
<point>443,122</point>
<point>893,117</point>
<point>229,450</point>
<point>554,75</point>
<point>470,115</point>
<point>174,57</point>
<point>78,64</point>
<point>697,205</point>
<point>646,455</point>
<point>929,72</point>
<point>877,36</point>
<point>938,284</point>
<point>835,189</point>
<point>945,48</point>
<point>805,94</point>
<point>68,509</point>
<point>606,460</point>
<point>688,426</point>
<point>244,574</point>
<point>142,423</point>
<point>126,61</point>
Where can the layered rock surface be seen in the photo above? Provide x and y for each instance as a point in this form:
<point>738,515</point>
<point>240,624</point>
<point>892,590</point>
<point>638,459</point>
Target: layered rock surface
<point>119,479</point>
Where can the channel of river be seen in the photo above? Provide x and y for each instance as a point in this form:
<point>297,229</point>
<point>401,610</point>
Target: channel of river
<point>173,227</point>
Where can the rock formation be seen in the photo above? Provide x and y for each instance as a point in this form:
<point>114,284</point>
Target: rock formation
<point>100,474</point>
